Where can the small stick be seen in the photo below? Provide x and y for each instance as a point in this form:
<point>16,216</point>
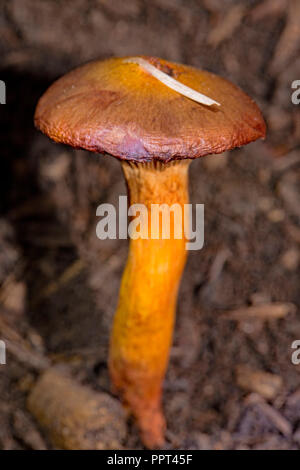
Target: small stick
<point>265,311</point>
<point>172,83</point>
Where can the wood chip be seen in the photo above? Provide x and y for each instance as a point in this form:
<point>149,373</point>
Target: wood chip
<point>74,416</point>
<point>56,169</point>
<point>290,259</point>
<point>276,215</point>
<point>265,384</point>
<point>13,294</point>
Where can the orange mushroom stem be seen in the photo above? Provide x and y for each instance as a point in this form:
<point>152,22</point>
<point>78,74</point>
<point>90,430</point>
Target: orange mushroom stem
<point>143,325</point>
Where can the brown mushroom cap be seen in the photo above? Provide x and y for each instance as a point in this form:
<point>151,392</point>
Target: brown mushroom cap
<point>117,107</point>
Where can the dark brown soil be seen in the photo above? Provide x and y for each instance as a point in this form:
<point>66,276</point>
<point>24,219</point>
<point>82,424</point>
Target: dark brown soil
<point>59,283</point>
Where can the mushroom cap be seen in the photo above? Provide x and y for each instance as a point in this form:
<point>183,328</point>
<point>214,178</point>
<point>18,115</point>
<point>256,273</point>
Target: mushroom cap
<point>117,107</point>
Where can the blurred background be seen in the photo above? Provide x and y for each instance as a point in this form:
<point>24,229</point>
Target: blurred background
<point>231,383</point>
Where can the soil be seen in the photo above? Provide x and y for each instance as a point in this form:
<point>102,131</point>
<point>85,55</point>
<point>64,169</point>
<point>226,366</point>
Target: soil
<point>231,383</point>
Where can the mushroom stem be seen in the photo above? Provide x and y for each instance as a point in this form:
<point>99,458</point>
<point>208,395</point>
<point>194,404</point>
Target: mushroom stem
<point>143,324</point>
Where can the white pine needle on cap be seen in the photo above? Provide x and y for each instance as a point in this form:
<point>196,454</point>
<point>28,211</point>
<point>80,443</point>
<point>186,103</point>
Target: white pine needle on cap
<point>172,83</point>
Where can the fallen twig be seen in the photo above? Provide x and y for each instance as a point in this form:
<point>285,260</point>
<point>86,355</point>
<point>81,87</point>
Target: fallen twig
<point>267,311</point>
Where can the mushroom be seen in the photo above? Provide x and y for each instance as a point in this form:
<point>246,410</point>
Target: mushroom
<point>120,107</point>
